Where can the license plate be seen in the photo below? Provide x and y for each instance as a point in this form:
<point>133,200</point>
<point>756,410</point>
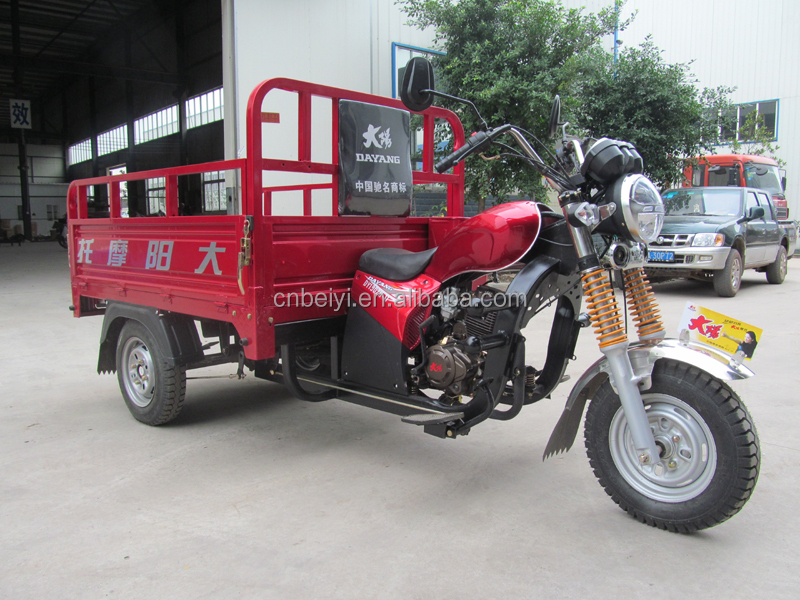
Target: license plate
<point>660,256</point>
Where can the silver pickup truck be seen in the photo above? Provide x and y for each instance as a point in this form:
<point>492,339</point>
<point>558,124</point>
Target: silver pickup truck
<point>717,232</point>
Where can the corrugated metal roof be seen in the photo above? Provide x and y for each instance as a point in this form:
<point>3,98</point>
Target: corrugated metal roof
<point>52,31</point>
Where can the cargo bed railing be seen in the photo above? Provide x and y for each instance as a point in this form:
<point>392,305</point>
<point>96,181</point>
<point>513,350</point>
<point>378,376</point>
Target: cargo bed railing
<point>257,118</point>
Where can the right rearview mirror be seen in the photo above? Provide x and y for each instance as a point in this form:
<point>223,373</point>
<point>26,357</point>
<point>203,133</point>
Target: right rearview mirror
<point>555,117</point>
<point>417,78</point>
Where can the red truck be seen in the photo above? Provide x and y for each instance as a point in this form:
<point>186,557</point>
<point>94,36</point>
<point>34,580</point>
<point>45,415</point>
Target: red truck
<point>740,170</point>
<point>373,306</point>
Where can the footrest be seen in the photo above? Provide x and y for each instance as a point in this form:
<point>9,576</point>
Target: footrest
<point>432,418</point>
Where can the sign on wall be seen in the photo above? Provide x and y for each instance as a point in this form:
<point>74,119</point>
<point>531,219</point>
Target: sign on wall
<point>374,160</point>
<point>20,114</point>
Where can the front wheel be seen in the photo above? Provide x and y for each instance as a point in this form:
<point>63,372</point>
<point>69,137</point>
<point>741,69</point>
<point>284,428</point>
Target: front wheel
<point>708,443</point>
<point>728,280</point>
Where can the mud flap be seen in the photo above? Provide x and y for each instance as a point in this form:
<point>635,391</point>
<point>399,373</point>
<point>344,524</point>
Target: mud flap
<point>643,358</point>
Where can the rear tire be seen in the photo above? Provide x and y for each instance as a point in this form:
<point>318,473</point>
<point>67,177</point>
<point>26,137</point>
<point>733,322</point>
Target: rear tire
<point>153,389</point>
<point>727,281</point>
<point>776,272</point>
<point>710,451</point>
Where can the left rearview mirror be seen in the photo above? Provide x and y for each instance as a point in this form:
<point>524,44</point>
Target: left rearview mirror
<point>417,78</point>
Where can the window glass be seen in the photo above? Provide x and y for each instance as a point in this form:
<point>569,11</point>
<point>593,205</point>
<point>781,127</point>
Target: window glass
<point>205,108</point>
<point>751,202</point>
<point>698,175</point>
<point>763,200</point>
<point>746,131</point>
<point>769,112</point>
<point>723,175</point>
<point>702,202</point>
<point>214,199</point>
<point>156,125</point>
<point>112,140</point>
<point>156,196</point>
<point>733,122</point>
<point>763,177</point>
<point>80,152</point>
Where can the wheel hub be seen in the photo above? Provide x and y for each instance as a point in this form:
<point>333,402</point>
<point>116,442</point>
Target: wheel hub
<point>686,449</point>
<point>138,376</point>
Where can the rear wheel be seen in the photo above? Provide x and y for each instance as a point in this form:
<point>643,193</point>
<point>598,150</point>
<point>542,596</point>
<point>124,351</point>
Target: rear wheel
<point>776,272</point>
<point>708,444</point>
<point>728,280</point>
<point>153,389</point>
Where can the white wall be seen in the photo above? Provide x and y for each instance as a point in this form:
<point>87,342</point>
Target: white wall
<point>41,195</point>
<point>345,44</point>
<point>753,46</point>
<point>46,177</point>
<point>45,163</point>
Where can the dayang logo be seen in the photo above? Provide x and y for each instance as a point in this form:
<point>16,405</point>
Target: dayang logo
<point>375,138</point>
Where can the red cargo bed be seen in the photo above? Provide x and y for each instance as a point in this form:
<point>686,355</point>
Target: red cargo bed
<point>243,268</point>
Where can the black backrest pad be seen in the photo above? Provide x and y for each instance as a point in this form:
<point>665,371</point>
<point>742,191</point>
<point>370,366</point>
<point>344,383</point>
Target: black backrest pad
<point>374,160</point>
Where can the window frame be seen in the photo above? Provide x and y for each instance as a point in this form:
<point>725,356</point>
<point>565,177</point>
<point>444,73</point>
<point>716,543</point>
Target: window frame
<point>214,178</point>
<point>158,185</point>
<point>738,117</point>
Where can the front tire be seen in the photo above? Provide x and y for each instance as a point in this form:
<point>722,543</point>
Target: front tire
<point>153,389</point>
<point>776,272</point>
<point>710,454</point>
<point>727,281</point>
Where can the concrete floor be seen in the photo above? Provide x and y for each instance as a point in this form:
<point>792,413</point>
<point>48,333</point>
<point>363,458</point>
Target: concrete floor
<point>251,494</point>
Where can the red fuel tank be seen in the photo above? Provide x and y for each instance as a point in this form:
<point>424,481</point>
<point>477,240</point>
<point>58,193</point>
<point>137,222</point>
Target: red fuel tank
<point>490,241</point>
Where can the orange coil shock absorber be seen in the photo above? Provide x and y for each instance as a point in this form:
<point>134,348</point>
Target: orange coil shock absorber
<point>643,305</point>
<point>603,309</point>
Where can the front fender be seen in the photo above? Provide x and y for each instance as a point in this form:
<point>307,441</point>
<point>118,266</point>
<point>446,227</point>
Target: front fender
<point>644,356</point>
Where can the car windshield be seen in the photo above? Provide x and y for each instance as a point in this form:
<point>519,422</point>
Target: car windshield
<point>763,177</point>
<point>703,202</point>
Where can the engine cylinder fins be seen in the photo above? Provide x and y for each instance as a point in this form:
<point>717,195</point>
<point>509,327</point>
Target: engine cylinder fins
<point>603,309</point>
<point>481,326</point>
<point>643,305</point>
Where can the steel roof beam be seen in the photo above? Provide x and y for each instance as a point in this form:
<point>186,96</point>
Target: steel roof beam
<point>73,67</point>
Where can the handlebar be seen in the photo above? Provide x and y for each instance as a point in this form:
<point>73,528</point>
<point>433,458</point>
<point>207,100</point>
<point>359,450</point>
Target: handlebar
<point>482,139</point>
<point>478,141</point>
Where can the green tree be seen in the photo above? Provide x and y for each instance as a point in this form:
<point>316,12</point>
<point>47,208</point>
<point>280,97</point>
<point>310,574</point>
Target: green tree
<point>510,57</point>
<point>656,106</point>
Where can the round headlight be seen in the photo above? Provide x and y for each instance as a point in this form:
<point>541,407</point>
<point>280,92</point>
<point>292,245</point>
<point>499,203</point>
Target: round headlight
<point>643,208</point>
<point>640,210</point>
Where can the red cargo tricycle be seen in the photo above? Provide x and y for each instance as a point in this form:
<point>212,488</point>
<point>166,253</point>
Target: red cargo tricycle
<point>352,298</point>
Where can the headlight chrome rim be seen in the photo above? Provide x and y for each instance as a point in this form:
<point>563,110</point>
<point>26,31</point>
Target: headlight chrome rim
<point>631,219</point>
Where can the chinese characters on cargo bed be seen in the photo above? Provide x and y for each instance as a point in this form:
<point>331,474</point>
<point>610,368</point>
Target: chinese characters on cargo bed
<point>202,257</point>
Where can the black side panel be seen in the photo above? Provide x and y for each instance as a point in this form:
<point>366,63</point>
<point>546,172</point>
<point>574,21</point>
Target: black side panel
<point>372,356</point>
<point>300,332</point>
<point>175,334</point>
<point>539,281</point>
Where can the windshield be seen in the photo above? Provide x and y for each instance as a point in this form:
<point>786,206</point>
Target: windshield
<point>763,177</point>
<point>703,202</point>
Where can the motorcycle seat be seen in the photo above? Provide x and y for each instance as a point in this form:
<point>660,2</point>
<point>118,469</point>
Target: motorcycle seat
<point>395,264</point>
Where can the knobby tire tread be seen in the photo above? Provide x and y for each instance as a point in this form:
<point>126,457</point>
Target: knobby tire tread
<point>745,436</point>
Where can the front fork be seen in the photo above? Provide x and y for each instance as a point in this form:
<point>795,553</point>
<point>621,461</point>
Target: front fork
<point>612,337</point>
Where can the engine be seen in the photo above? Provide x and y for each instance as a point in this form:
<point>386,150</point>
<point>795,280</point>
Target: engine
<point>450,368</point>
<point>450,365</point>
